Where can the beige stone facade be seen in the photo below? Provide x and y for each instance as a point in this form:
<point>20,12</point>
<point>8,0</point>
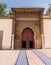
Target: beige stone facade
<point>31,19</point>
<point>6,33</point>
<point>47,31</point>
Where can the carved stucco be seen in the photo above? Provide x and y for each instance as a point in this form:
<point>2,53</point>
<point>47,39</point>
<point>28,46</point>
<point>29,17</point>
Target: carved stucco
<point>21,25</point>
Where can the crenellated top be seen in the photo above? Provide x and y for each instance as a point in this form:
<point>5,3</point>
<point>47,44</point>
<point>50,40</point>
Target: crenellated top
<point>28,8</point>
<point>27,12</point>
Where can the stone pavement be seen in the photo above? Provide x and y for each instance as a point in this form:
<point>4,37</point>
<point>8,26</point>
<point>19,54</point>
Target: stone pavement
<point>25,57</point>
<point>44,58</point>
<point>33,59</point>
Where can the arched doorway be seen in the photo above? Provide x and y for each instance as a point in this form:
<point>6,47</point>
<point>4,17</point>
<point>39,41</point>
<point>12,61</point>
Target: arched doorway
<point>27,38</point>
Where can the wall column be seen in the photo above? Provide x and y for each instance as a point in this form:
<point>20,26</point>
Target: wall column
<point>43,42</point>
<point>12,43</point>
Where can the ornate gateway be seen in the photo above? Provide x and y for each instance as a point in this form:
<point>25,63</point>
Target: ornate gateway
<point>27,27</point>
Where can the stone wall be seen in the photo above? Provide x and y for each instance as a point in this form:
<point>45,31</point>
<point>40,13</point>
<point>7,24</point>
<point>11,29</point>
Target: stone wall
<point>47,31</point>
<point>6,27</point>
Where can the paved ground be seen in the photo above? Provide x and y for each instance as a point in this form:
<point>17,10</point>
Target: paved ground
<point>25,57</point>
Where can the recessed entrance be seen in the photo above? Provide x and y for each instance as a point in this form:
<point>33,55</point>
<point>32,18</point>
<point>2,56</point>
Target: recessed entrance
<point>27,38</point>
<point>23,44</point>
<point>31,44</point>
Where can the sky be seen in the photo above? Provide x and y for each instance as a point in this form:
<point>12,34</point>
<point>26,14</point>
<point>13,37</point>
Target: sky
<point>26,3</point>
